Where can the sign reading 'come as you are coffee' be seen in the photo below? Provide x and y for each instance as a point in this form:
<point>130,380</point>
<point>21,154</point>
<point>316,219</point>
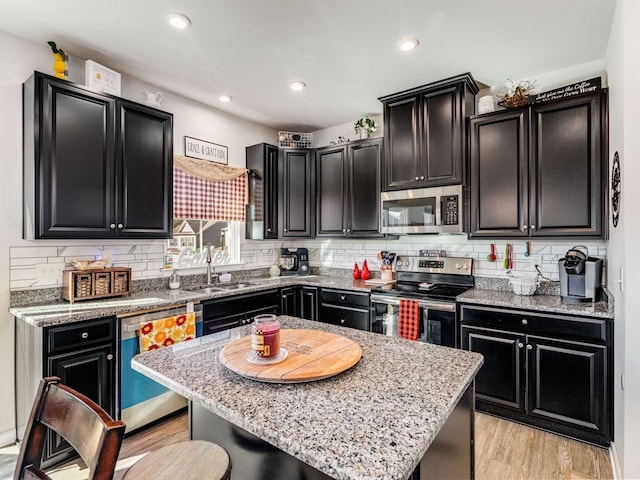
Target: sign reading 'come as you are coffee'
<point>196,148</point>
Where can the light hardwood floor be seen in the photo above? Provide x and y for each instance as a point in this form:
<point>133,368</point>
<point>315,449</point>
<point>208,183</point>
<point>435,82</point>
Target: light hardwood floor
<point>504,451</point>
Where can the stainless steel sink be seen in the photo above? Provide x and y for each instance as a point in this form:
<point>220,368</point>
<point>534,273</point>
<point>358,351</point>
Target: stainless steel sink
<point>220,287</point>
<point>205,289</point>
<point>233,286</point>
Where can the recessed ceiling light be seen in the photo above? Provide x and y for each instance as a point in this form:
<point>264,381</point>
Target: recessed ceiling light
<point>408,44</point>
<point>179,21</point>
<point>297,85</point>
<point>225,98</point>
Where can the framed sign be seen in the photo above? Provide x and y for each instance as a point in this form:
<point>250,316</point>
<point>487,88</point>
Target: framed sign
<point>196,148</point>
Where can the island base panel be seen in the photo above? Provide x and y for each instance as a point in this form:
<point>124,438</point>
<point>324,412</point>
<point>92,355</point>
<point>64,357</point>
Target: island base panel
<point>450,455</point>
<point>251,457</point>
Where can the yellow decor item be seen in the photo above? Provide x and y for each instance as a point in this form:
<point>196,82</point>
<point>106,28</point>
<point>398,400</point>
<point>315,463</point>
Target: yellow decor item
<point>59,62</point>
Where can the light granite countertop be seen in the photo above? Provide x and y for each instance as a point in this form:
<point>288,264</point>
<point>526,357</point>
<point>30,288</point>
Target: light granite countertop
<point>539,303</point>
<point>376,420</point>
<point>64,312</point>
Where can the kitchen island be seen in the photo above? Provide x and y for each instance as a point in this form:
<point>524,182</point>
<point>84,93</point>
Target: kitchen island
<point>405,406</point>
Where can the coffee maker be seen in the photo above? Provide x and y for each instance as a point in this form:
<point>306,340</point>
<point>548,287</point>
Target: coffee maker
<point>294,261</point>
<point>580,276</point>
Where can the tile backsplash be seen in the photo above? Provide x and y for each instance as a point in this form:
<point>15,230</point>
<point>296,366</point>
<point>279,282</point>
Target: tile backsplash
<point>40,266</point>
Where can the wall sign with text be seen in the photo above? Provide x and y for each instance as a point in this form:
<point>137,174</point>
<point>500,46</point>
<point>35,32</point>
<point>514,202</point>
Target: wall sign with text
<point>213,152</point>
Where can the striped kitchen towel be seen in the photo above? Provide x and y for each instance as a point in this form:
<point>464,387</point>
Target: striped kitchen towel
<point>409,319</point>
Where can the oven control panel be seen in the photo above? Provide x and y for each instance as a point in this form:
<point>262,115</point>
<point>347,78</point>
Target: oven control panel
<point>448,265</point>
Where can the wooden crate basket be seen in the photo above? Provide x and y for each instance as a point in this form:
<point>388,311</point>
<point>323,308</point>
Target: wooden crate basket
<point>97,283</point>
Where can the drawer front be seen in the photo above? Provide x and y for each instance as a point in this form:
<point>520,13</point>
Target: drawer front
<point>345,317</point>
<point>80,335</point>
<point>237,304</point>
<point>344,297</point>
<point>574,328</point>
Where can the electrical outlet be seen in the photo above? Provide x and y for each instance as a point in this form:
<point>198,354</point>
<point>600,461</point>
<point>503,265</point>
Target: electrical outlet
<point>621,281</point>
<point>49,271</point>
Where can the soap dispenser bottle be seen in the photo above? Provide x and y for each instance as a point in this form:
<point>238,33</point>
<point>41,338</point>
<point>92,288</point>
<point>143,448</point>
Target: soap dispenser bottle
<point>174,280</point>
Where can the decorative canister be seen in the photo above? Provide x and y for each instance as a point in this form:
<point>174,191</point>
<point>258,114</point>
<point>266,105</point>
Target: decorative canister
<point>486,104</point>
<point>265,336</point>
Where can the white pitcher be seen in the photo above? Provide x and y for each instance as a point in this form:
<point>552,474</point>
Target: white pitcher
<point>152,97</point>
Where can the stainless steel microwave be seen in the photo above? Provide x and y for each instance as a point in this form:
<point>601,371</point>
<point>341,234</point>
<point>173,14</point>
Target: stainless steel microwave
<point>423,210</point>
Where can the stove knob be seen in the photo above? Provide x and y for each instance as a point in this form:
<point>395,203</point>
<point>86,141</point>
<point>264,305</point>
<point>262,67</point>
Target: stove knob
<point>458,266</point>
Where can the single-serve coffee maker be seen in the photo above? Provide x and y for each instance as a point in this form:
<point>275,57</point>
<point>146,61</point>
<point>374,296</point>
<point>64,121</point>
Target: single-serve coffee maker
<point>294,261</point>
<point>580,276</point>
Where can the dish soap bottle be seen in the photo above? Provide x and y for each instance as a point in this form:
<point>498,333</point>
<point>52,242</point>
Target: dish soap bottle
<point>174,280</point>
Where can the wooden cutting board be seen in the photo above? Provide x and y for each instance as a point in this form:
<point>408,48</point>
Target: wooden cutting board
<point>312,355</point>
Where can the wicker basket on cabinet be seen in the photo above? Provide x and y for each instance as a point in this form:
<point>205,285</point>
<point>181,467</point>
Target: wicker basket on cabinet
<point>97,283</point>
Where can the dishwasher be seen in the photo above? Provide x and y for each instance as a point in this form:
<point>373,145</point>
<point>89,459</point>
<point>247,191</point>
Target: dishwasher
<point>142,400</point>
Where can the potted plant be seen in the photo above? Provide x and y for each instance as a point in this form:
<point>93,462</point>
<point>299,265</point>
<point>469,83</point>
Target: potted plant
<point>365,126</point>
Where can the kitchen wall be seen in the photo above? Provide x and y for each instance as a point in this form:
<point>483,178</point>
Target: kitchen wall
<point>29,263</point>
<point>19,258</point>
<point>624,123</point>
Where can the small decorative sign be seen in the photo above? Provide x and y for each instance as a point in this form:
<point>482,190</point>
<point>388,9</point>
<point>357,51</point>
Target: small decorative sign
<point>203,150</point>
<point>101,78</point>
<point>577,89</point>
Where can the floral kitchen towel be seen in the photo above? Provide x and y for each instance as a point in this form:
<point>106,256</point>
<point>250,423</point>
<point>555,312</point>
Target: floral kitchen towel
<point>409,319</point>
<point>167,331</point>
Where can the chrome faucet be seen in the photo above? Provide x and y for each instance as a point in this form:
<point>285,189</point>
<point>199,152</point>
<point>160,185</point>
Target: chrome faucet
<point>208,264</point>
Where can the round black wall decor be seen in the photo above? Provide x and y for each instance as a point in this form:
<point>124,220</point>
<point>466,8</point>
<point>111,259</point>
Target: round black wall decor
<point>615,190</point>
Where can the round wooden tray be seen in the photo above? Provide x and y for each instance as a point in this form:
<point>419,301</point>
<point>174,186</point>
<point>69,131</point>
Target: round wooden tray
<point>312,355</point>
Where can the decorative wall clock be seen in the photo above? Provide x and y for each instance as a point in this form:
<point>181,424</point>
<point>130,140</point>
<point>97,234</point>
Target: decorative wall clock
<point>615,190</point>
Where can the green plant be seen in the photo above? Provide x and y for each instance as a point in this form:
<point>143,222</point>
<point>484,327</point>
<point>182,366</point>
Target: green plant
<point>365,123</point>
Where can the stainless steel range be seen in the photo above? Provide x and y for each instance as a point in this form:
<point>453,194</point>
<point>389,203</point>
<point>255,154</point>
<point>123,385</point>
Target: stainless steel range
<point>434,282</point>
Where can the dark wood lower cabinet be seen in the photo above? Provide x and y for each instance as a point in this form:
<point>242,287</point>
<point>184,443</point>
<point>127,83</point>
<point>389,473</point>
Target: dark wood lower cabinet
<point>231,312</point>
<point>550,371</point>
<point>345,308</point>
<point>309,303</point>
<point>88,371</point>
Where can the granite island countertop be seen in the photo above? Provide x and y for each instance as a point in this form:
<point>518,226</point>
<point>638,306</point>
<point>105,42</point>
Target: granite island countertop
<point>376,420</point>
<point>539,303</point>
<point>63,312</point>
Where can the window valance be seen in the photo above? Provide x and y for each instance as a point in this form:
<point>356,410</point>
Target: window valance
<point>208,191</point>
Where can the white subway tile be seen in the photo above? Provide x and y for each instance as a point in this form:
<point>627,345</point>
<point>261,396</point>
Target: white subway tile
<point>26,252</point>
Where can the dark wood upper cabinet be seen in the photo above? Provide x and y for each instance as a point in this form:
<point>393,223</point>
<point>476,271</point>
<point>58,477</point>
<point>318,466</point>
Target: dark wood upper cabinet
<point>144,172</point>
<point>424,133</point>
<point>297,178</point>
<point>95,166</point>
<point>537,171</point>
<point>262,208</point>
<point>566,157</point>
<point>499,174</point>
<point>348,189</point>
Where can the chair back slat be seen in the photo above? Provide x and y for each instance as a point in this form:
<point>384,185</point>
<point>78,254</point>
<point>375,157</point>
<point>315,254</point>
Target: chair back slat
<point>80,421</point>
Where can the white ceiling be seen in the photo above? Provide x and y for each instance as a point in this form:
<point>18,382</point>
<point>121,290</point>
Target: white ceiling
<point>345,51</point>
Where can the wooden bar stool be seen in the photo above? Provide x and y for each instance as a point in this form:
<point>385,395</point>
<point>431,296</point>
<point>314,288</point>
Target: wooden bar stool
<point>192,460</point>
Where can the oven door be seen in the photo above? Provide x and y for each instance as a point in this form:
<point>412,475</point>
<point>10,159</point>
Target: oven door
<point>438,325</point>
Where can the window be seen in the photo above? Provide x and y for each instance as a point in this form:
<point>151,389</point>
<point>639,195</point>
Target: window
<point>188,247</point>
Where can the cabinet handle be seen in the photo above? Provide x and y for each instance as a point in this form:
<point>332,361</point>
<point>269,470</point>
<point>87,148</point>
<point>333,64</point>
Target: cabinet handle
<point>524,227</point>
<point>286,230</point>
<point>520,345</point>
<point>344,230</point>
<point>417,178</point>
<point>532,227</point>
<point>348,230</point>
<point>120,226</point>
<point>342,320</point>
<point>421,177</point>
<point>84,335</point>
<point>524,321</point>
<point>268,230</point>
<point>342,297</point>
<point>529,347</point>
<point>110,356</point>
<point>112,226</point>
